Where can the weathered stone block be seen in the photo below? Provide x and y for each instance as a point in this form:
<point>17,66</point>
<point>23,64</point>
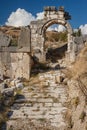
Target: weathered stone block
<point>4,40</point>
<point>59,79</point>
<point>24,38</point>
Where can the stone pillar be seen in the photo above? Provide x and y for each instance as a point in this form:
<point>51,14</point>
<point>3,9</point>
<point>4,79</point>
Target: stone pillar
<point>5,63</point>
<point>71,49</point>
<point>26,65</point>
<point>43,57</point>
<point>1,69</point>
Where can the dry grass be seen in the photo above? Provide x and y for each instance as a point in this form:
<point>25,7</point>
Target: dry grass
<point>34,80</point>
<point>9,30</point>
<point>80,66</point>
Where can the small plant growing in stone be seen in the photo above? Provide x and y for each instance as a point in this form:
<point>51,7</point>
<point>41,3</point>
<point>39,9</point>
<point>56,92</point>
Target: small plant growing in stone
<point>18,92</point>
<point>86,126</point>
<point>82,116</point>
<point>55,100</point>
<point>44,113</point>
<point>71,123</point>
<point>23,111</point>
<point>75,101</point>
<point>42,119</point>
<point>26,83</point>
<point>13,42</point>
<point>11,128</point>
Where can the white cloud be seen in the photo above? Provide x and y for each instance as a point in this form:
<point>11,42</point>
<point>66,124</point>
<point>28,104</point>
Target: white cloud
<point>50,28</point>
<point>20,18</point>
<point>75,30</point>
<point>59,28</point>
<point>40,15</point>
<point>83,29</point>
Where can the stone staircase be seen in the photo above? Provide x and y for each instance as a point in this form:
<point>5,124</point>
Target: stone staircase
<point>42,102</point>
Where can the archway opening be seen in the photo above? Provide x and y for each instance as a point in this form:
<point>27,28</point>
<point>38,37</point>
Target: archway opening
<point>53,51</point>
<point>55,45</point>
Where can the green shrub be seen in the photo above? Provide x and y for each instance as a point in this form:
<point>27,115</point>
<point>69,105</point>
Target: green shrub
<point>58,36</point>
<point>77,33</point>
<point>13,42</point>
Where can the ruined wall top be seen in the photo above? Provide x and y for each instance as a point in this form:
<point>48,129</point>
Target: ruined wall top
<point>53,12</point>
<point>50,8</point>
<point>18,39</point>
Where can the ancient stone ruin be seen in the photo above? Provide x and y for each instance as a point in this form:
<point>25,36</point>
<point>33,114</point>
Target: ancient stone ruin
<point>15,61</point>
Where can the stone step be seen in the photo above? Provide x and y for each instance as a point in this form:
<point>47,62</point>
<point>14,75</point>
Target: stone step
<point>35,114</point>
<point>42,101</point>
<point>34,100</point>
<point>42,91</point>
<point>51,96</point>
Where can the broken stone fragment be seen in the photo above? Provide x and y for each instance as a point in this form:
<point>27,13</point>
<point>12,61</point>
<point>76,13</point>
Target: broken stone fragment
<point>19,85</point>
<point>9,92</point>
<point>59,79</point>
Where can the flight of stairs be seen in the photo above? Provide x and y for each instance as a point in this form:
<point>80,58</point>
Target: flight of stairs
<point>42,102</point>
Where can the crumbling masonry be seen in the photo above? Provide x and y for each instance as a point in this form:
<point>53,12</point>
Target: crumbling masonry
<point>15,61</point>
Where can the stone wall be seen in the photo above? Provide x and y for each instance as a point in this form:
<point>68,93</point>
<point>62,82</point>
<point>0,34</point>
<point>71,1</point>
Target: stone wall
<point>15,60</point>
<point>80,43</point>
<point>15,65</point>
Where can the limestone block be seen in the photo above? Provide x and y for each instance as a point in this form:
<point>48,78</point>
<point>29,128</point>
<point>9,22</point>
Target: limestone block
<point>19,72</point>
<point>9,92</point>
<point>20,56</point>
<point>19,85</point>
<point>59,79</point>
<point>48,104</point>
<point>24,38</point>
<point>4,40</point>
<point>33,31</point>
<point>14,66</point>
<point>45,100</point>
<point>13,58</point>
<point>12,83</point>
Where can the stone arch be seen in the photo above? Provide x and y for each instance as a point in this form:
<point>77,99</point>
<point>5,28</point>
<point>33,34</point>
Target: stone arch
<point>62,22</point>
<point>38,29</point>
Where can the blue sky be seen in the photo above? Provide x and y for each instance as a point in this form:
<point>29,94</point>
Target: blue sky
<point>76,8</point>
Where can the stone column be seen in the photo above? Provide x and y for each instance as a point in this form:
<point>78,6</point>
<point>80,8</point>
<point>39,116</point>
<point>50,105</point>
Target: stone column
<point>43,52</point>
<point>1,69</point>
<point>26,65</point>
<point>71,49</point>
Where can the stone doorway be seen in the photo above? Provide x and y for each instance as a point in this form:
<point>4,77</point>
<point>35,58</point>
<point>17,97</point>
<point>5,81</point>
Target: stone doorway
<point>56,40</point>
<point>52,15</point>
<point>68,31</point>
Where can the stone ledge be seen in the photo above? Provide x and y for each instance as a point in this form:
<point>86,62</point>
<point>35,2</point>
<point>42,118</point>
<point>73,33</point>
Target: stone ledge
<point>15,49</point>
